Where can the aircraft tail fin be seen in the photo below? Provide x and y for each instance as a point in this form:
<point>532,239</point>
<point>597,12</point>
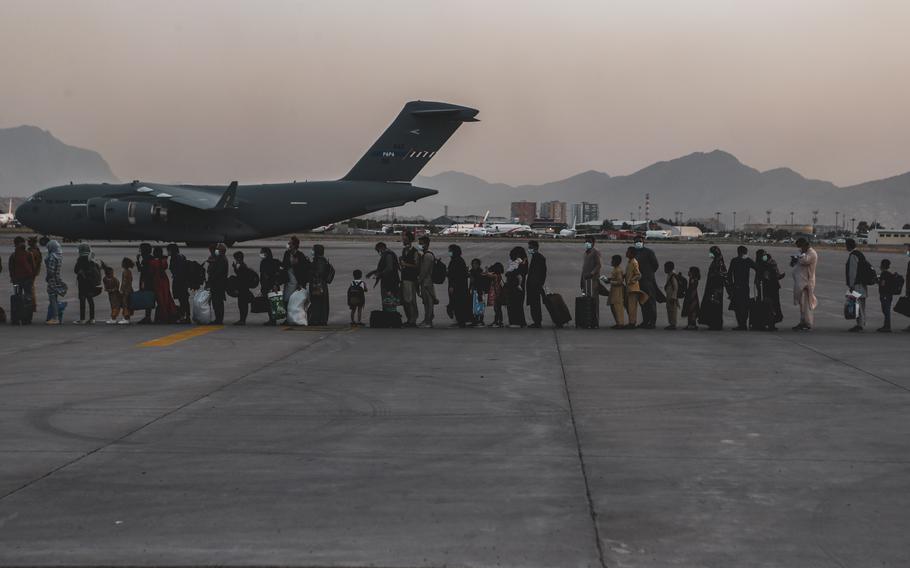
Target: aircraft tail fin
<point>414,137</point>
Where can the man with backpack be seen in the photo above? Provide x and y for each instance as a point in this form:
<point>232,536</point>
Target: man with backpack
<point>426,279</point>
<point>408,262</point>
<point>890,284</point>
<point>860,275</point>
<point>246,279</point>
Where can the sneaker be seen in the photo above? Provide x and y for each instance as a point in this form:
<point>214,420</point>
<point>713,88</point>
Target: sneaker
<point>884,330</point>
<point>111,322</point>
<point>52,322</point>
<point>78,322</point>
<point>90,322</point>
<point>123,322</point>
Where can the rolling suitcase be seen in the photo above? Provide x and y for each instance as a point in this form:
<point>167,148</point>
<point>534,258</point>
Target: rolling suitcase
<point>759,314</point>
<point>385,319</point>
<point>557,308</point>
<point>903,306</point>
<point>20,312</point>
<point>586,312</point>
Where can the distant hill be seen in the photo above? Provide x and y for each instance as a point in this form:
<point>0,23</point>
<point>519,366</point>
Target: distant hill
<point>31,159</point>
<point>697,184</point>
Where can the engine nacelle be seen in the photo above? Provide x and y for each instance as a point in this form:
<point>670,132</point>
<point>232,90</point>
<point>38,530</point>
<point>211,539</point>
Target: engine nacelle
<point>118,213</point>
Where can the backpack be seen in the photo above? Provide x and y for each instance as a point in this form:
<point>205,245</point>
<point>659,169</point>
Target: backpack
<point>329,274</point>
<point>250,278</point>
<point>356,296</point>
<point>896,286</point>
<point>439,272</point>
<point>865,274</point>
<point>93,275</point>
<point>195,274</point>
<point>682,286</point>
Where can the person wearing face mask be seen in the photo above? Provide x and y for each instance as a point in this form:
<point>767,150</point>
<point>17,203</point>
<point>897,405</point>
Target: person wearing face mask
<point>426,288</point>
<point>740,275</point>
<point>409,272</point>
<point>648,264</point>
<point>457,277</point>
<point>767,286</point>
<point>804,264</point>
<point>591,266</point>
<point>179,287</point>
<point>269,277</point>
<point>216,281</point>
<point>323,273</point>
<point>515,286</point>
<point>297,268</point>
<point>537,278</point>
<point>711,312</point>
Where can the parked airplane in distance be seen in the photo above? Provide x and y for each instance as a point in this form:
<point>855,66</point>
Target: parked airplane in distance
<point>571,232</point>
<point>487,229</point>
<point>202,214</point>
<point>657,235</point>
<point>8,218</point>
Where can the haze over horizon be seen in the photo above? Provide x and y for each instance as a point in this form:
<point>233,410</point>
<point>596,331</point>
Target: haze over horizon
<point>207,91</point>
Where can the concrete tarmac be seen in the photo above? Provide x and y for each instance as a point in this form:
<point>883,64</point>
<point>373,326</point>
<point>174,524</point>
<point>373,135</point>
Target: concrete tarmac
<point>447,447</point>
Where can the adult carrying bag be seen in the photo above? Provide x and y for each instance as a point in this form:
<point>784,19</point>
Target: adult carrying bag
<point>439,272</point>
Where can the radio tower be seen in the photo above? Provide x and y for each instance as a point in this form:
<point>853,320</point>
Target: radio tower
<point>648,210</point>
<point>768,218</point>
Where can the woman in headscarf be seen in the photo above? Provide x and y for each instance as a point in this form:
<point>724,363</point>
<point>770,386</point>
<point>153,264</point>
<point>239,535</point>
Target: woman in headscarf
<point>165,308</point>
<point>459,291</point>
<point>216,281</point>
<point>269,277</point>
<point>321,275</point>
<point>88,278</point>
<point>56,287</point>
<point>514,288</point>
<point>711,313</point>
<point>767,282</point>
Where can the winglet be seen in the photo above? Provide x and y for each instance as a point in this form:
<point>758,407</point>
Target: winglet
<point>227,199</point>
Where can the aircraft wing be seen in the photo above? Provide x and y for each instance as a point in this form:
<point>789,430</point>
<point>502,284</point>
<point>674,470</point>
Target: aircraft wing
<point>195,197</point>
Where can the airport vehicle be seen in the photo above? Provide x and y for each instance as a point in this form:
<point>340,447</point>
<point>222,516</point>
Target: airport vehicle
<point>202,214</point>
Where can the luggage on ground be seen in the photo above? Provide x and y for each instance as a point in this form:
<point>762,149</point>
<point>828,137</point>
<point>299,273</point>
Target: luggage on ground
<point>20,312</point>
<point>759,314</point>
<point>903,306</point>
<point>201,310</point>
<point>142,300</point>
<point>850,308</point>
<point>276,306</point>
<point>557,308</point>
<point>385,319</point>
<point>259,305</point>
<point>297,305</point>
<point>586,312</point>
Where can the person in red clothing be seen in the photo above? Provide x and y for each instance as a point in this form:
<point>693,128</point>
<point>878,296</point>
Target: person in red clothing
<point>165,309</point>
<point>21,267</point>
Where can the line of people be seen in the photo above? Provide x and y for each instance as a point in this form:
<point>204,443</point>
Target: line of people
<point>169,285</point>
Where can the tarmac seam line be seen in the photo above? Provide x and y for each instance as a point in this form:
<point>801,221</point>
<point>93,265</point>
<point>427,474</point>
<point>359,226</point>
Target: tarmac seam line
<point>581,454</point>
<point>163,416</point>
<point>846,364</point>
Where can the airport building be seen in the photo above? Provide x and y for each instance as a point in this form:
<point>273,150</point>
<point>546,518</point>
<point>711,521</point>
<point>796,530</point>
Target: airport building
<point>524,211</point>
<point>554,211</point>
<point>889,237</point>
<point>585,212</point>
<point>763,228</point>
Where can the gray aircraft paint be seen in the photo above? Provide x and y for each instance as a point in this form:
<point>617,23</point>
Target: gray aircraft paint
<point>233,213</point>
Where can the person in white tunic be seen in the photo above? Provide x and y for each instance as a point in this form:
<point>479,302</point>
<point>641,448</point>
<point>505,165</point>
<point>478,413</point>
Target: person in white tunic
<point>804,284</point>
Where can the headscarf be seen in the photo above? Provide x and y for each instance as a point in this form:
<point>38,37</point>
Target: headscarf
<point>85,250</point>
<point>53,249</point>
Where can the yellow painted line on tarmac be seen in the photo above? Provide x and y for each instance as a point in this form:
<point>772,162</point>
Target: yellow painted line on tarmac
<point>168,340</point>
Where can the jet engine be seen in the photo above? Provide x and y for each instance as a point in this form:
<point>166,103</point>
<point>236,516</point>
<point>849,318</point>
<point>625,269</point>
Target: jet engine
<point>120,213</point>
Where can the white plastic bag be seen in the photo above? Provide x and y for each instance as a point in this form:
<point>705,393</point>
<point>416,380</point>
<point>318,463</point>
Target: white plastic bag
<point>297,305</point>
<point>202,312</point>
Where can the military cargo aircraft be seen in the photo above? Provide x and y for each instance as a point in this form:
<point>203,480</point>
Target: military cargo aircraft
<point>203,214</point>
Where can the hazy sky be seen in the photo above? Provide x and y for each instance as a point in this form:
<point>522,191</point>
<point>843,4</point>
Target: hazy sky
<point>210,91</point>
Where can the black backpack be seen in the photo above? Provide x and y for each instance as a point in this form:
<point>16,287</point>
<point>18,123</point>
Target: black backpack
<point>249,278</point>
<point>356,296</point>
<point>439,272</point>
<point>865,274</point>
<point>682,286</point>
<point>896,286</point>
<point>195,274</point>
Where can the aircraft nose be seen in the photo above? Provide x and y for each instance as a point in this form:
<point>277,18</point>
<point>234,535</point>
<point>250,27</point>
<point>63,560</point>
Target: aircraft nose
<point>23,215</point>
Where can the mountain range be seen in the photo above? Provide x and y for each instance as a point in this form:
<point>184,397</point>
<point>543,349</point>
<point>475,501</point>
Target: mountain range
<point>698,185</point>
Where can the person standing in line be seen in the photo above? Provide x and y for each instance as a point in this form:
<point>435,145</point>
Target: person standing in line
<point>591,267</point>
<point>617,292</point>
<point>114,297</point>
<point>37,262</point>
<point>805,264</point>
<point>671,291</point>
<point>165,308</point>
<point>495,295</point>
<point>126,288</point>
<point>537,279</point>
<point>297,267</point>
<point>478,286</point>
<point>691,305</point>
<point>634,292</point>
<point>179,286</point>
<point>886,286</point>
<point>21,268</point>
<point>409,272</point>
<point>386,275</point>
<point>907,280</point>
<point>459,291</point>
<point>741,283</point>
<point>426,288</point>
<point>270,278</point>
<point>516,284</point>
<point>246,279</point>
<point>711,313</point>
<point>56,287</point>
<point>648,264</point>
<point>88,280</point>
<point>216,281</point>
<point>856,262</point>
<point>323,273</point>
<point>146,276</point>
<point>357,292</point>
<point>767,285</point>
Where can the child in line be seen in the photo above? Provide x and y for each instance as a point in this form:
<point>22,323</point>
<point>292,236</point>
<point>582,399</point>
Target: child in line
<point>691,304</point>
<point>114,296</point>
<point>357,298</point>
<point>494,294</point>
<point>478,286</point>
<point>617,292</point>
<point>126,288</point>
